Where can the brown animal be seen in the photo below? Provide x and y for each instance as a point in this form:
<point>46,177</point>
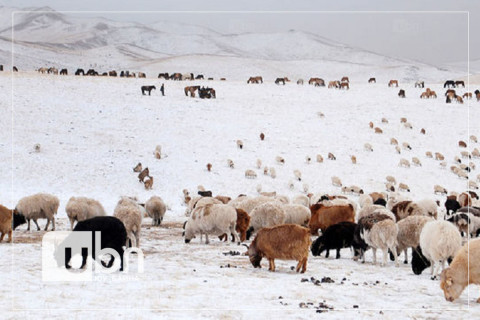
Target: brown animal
<point>372,80</point>
<point>344,85</point>
<point>285,242</point>
<point>331,156</point>
<point>142,75</point>
<point>459,99</point>
<point>345,79</point>
<point>463,271</point>
<point>401,93</point>
<point>334,84</point>
<point>325,216</point>
<point>6,223</point>
<point>209,167</point>
<point>243,222</point>
<point>191,90</point>
<point>223,199</point>
<point>462,144</point>
<point>317,82</point>
<point>403,209</point>
<point>467,95</point>
<point>262,136</point>
<point>378,130</point>
<point>143,174</point>
<point>439,156</point>
<point>371,125</point>
<point>257,79</point>
<point>422,131</point>
<point>148,183</point>
<point>392,83</point>
<point>354,159</point>
<point>464,199</point>
<point>138,167</point>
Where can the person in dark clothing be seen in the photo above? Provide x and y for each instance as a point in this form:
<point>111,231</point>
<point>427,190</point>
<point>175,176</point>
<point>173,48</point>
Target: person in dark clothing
<point>162,90</point>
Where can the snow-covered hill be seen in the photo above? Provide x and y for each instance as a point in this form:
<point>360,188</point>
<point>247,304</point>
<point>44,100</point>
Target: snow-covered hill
<point>44,37</point>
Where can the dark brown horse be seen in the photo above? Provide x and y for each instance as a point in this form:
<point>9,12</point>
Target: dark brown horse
<point>112,73</point>
<point>372,80</point>
<point>64,72</point>
<point>192,90</point>
<point>148,89</point>
<point>163,75</point>
<point>459,83</point>
<point>401,93</point>
<point>280,80</point>
<point>256,79</point>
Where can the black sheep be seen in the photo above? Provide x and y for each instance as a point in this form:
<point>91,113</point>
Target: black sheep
<point>113,235</point>
<point>452,205</point>
<point>336,237</point>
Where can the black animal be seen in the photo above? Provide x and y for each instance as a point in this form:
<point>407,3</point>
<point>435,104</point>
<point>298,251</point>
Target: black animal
<point>449,84</point>
<point>381,201</point>
<point>420,84</point>
<point>162,90</point>
<point>448,100</point>
<point>199,76</point>
<point>148,89</point>
<point>401,93</point>
<point>1,67</point>
<point>452,206</point>
<point>18,219</point>
<point>206,93</point>
<point>205,193</point>
<point>64,72</point>
<point>15,69</point>
<point>163,76</point>
<point>113,235</point>
<point>336,237</point>
<point>278,80</point>
<point>477,91</point>
<point>79,72</point>
<point>92,72</point>
<point>419,261</point>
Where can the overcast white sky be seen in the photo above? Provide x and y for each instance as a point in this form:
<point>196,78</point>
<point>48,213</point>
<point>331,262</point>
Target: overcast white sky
<point>429,36</point>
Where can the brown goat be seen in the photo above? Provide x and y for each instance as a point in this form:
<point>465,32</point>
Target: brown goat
<point>138,167</point>
<point>285,242</point>
<point>148,183</point>
<point>143,174</point>
<point>243,222</point>
<point>378,130</point>
<point>325,216</point>
<point>462,144</point>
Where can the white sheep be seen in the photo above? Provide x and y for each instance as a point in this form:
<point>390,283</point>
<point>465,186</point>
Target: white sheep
<point>36,147</point>
<point>197,202</point>
<point>403,187</point>
<point>356,190</point>
<point>38,206</point>
<point>397,148</point>
<point>297,174</point>
<point>439,240</point>
<point>301,199</point>
<point>248,204</point>
<point>308,159</point>
<point>212,219</point>
<point>130,213</point>
<point>393,141</point>
<point>406,146</point>
<point>368,147</point>
<point>389,186</point>
<point>382,235</point>
<point>391,179</point>
<point>259,163</point>
<point>265,170</point>
<point>297,214</point>
<point>273,172</point>
<point>282,198</point>
<point>428,154</point>
<point>319,158</point>
<point>416,162</point>
<point>473,139</point>
<point>408,125</point>
<point>365,200</point>
<point>336,181</point>
<point>156,209</point>
<point>240,144</point>
<point>409,230</point>
<point>158,152</point>
<point>230,163</point>
<point>404,163</point>
<point>305,187</point>
<point>250,174</point>
<point>279,160</point>
<point>429,206</point>
<point>81,208</point>
<point>268,214</point>
<point>374,209</point>
<point>291,185</point>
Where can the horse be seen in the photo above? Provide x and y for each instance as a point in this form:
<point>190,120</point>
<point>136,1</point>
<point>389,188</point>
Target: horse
<point>391,83</point>
<point>334,84</point>
<point>142,75</point>
<point>477,95</point>
<point>64,72</point>
<point>199,77</point>
<point>300,81</point>
<point>317,82</point>
<point>52,70</point>
<point>420,84</point>
<point>147,88</point>
<point>372,80</point>
<point>15,69</point>
<point>192,90</point>
<point>80,72</point>
<point>459,99</point>
<point>257,79</point>
<point>401,93</point>
<point>467,95</point>
<point>112,73</point>
<point>92,72</point>
<point>459,83</point>
<point>42,70</point>
<point>206,93</point>
<point>450,92</point>
<point>163,75</point>
<point>176,76</point>
<point>345,79</point>
<point>223,79</point>
<point>449,83</point>
<point>344,85</point>
<point>278,80</point>
<point>1,67</point>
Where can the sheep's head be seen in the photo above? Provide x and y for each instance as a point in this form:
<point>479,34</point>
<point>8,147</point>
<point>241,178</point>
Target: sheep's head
<point>188,233</point>
<point>451,289</point>
<point>318,246</point>
<point>254,255</point>
<point>18,219</point>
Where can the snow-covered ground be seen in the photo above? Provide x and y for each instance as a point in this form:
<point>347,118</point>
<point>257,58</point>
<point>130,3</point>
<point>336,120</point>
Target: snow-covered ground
<point>94,130</point>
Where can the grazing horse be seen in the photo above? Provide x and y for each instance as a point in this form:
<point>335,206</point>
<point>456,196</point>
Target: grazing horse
<point>420,84</point>
<point>112,73</point>
<point>459,83</point>
<point>79,72</point>
<point>467,95</point>
<point>147,88</point>
<point>344,85</point>
<point>345,79</point>
<point>92,72</point>
<point>64,72</point>
<point>401,93</point>
<point>206,93</point>
<point>15,69</point>
<point>450,92</point>
<point>372,80</point>
<point>334,84</point>
<point>256,79</point>
<point>459,99</point>
<point>176,76</point>
<point>317,82</point>
<point>52,70</point>
<point>223,79</point>
<point>163,75</point>
<point>392,83</point>
<point>192,90</point>
<point>278,80</point>
<point>300,81</point>
<point>142,75</point>
<point>449,84</point>
<point>42,70</point>
<point>199,77</point>
<point>1,67</point>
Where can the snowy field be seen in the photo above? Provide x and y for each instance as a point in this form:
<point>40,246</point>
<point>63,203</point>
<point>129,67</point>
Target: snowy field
<point>93,131</point>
